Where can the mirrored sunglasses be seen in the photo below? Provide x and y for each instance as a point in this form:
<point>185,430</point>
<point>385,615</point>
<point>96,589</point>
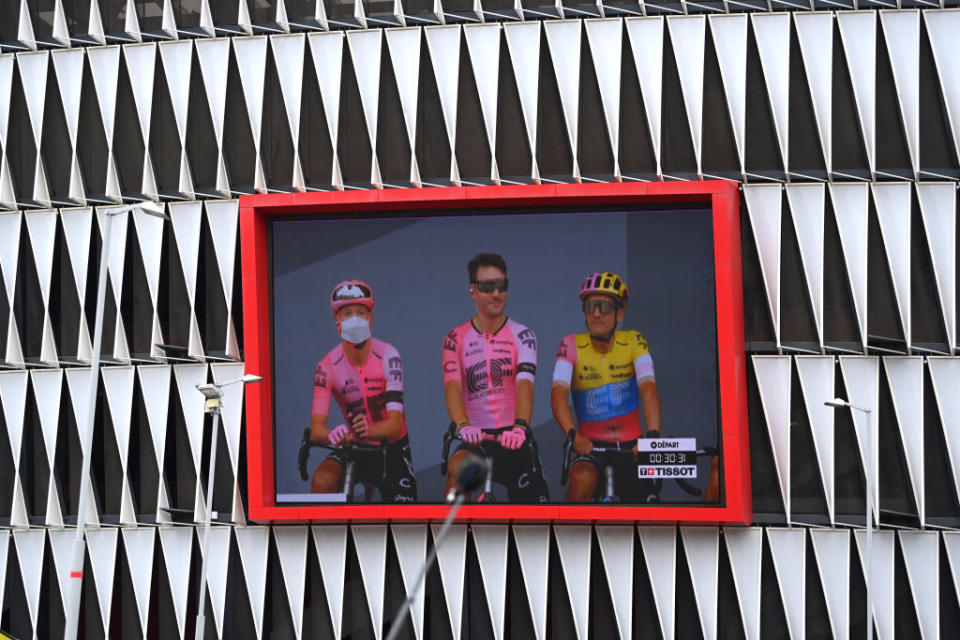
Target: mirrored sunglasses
<point>603,305</point>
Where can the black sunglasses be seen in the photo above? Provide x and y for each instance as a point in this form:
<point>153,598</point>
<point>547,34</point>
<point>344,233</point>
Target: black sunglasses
<point>488,286</point>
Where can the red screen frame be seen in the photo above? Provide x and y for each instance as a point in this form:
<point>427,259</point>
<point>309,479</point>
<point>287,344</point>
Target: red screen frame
<point>722,197</point>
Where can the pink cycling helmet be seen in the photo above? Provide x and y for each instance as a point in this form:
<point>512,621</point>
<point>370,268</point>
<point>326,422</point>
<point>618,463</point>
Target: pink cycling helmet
<point>351,292</point>
<point>607,283</point>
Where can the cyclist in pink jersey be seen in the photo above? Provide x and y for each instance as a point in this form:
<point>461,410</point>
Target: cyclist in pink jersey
<point>489,363</point>
<point>365,377</point>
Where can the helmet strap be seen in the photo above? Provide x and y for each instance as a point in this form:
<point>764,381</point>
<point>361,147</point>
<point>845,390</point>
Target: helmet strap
<point>607,338</point>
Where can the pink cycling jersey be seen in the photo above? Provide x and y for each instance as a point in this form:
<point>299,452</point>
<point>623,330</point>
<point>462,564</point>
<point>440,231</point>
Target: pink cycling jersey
<point>372,389</point>
<point>488,367</point>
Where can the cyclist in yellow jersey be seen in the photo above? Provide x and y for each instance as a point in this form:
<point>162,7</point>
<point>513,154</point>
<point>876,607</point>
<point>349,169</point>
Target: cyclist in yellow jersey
<point>611,375</point>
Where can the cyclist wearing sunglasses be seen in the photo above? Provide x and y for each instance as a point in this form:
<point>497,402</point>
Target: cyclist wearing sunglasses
<point>365,377</point>
<point>611,374</point>
<point>489,363</point>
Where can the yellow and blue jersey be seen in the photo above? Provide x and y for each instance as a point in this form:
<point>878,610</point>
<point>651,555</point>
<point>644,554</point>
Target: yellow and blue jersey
<point>605,385</point>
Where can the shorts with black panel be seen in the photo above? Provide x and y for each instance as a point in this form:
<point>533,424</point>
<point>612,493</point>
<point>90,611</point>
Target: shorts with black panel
<point>387,467</point>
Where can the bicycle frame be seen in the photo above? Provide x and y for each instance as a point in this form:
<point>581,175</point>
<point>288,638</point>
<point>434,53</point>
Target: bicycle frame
<point>609,490</point>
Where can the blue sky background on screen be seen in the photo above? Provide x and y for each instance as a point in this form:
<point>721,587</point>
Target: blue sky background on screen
<point>417,268</point>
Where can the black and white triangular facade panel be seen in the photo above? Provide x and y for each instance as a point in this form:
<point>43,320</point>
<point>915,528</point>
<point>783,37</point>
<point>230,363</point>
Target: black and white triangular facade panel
<point>840,120</point>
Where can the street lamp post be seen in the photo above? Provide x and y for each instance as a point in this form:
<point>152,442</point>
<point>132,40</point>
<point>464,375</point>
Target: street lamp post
<point>72,607</point>
<point>213,393</point>
<point>872,486</point>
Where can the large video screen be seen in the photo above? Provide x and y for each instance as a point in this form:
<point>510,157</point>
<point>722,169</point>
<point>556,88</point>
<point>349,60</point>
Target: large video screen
<point>578,361</point>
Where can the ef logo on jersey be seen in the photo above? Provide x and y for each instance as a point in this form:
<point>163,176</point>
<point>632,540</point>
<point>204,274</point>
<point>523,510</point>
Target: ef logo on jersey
<point>450,342</point>
<point>395,367</point>
<point>528,339</point>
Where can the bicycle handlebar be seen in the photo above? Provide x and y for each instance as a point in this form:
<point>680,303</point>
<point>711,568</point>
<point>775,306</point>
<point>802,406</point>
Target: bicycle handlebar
<point>453,433</point>
<point>569,454</point>
<point>306,444</point>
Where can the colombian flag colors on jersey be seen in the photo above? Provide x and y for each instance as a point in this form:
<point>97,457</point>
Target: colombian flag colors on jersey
<point>605,386</point>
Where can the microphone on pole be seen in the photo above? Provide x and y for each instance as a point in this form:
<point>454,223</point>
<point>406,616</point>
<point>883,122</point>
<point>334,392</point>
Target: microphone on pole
<point>471,474</point>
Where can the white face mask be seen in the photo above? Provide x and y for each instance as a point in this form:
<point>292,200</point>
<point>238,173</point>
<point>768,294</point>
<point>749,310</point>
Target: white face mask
<point>355,329</point>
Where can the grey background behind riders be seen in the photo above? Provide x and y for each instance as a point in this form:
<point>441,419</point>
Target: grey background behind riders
<point>417,268</point>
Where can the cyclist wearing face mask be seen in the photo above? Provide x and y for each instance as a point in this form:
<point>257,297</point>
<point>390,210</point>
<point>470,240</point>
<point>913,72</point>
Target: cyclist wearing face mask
<point>489,364</point>
<point>365,377</point>
<point>611,374</point>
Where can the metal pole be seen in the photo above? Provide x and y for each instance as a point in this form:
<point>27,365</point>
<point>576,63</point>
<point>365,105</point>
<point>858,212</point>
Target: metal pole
<point>213,407</point>
<point>868,568</point>
<point>431,558</point>
<point>72,608</point>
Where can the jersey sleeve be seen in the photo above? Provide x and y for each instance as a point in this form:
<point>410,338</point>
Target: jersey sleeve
<point>642,360</point>
<point>451,357</point>
<point>526,342</point>
<point>322,381</point>
<point>393,373</point>
<point>566,360</point>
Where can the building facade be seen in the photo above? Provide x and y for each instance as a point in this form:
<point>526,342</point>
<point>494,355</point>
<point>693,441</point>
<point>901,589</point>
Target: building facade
<point>841,120</point>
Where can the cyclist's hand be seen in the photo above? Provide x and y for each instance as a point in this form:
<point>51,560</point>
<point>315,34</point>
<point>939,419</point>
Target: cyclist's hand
<point>582,445</point>
<point>514,438</point>
<point>360,424</point>
<point>471,434</point>
<point>339,435</point>
<point>634,452</point>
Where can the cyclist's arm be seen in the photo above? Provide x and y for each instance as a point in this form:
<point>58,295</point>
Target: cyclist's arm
<point>564,417</point>
<point>651,404</point>
<point>526,343</point>
<point>646,383</point>
<point>562,377</point>
<point>454,398</point>
<point>318,428</point>
<point>452,381</point>
<point>524,407</point>
<point>322,380</point>
<point>391,428</point>
<point>559,402</point>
